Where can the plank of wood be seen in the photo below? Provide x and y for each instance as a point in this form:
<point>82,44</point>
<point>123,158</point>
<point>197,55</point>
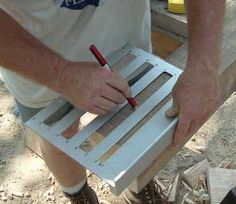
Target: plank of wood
<point>32,141</point>
<point>163,45</point>
<point>220,182</point>
<point>227,73</point>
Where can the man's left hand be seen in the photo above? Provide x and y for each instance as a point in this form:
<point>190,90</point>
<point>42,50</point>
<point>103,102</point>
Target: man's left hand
<point>196,96</point>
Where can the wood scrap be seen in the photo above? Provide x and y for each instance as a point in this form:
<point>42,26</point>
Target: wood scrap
<point>163,187</point>
<point>200,196</point>
<point>196,193</point>
<point>169,189</point>
<point>220,182</point>
<point>184,198</point>
<point>202,182</point>
<point>202,148</point>
<point>174,189</point>
<point>205,198</point>
<point>17,194</point>
<point>171,180</point>
<point>189,201</point>
<point>3,198</point>
<point>187,186</point>
<point>170,185</point>
<point>191,175</point>
<point>27,195</point>
<point>225,165</point>
<point>183,157</point>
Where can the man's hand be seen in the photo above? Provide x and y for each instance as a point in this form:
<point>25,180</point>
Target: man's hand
<point>92,88</point>
<point>196,96</point>
<point>196,93</point>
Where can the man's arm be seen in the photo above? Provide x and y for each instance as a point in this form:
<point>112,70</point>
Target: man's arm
<point>196,94</point>
<point>87,85</point>
<point>24,54</point>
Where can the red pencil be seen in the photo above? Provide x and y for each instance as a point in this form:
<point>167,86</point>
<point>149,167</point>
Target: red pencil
<point>104,63</point>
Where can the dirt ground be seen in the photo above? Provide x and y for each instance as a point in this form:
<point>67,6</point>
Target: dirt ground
<point>24,174</point>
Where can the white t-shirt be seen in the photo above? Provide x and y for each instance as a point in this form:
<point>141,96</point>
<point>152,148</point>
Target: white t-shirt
<point>69,27</point>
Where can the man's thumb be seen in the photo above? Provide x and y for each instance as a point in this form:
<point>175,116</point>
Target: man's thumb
<point>173,111</point>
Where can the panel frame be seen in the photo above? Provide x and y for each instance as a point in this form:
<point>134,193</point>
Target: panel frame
<point>121,168</point>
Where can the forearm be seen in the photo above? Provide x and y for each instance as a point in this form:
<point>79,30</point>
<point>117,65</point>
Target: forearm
<point>205,22</point>
<point>24,54</point>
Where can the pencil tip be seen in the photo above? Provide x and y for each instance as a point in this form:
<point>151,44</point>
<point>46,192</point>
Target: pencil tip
<point>135,107</point>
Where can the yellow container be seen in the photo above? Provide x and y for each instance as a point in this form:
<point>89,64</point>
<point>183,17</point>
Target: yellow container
<point>176,6</point>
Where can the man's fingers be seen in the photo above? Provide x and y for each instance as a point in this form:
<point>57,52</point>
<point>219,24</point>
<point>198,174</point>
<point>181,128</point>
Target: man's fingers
<point>187,127</point>
<point>195,125</point>
<point>114,95</point>
<point>173,111</point>
<point>105,104</point>
<point>97,110</point>
<point>120,84</point>
<point>193,128</point>
<point>182,129</point>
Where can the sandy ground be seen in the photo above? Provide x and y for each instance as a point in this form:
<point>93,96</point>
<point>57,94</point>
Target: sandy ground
<point>23,173</point>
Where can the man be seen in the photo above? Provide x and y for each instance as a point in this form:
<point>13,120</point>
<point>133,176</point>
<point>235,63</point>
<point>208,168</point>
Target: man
<point>44,51</point>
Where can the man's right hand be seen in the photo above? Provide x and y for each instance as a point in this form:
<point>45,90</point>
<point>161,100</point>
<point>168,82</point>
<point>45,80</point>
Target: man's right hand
<point>91,87</point>
<point>86,85</point>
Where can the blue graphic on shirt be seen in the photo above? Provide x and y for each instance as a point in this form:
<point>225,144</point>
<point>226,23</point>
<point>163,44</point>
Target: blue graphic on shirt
<point>79,4</point>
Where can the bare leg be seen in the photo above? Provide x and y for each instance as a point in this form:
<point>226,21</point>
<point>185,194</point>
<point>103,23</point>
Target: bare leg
<point>67,172</point>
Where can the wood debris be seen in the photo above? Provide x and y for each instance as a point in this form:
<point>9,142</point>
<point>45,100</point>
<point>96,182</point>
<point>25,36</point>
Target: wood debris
<point>225,165</point>
<point>17,194</point>
<point>169,189</point>
<point>104,202</point>
<point>201,148</point>
<point>51,190</point>
<point>184,198</point>
<point>163,187</point>
<point>27,195</point>
<point>89,174</point>
<point>171,180</point>
<point>187,154</point>
<point>3,197</point>
<point>1,189</point>
<point>187,186</point>
<point>202,182</point>
<point>182,155</point>
<point>10,197</point>
<point>174,190</point>
<point>191,175</point>
<point>52,179</point>
<point>194,180</point>
<point>189,201</point>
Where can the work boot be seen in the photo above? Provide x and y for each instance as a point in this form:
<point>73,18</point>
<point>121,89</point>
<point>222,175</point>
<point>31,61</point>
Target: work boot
<point>151,194</point>
<point>85,196</point>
